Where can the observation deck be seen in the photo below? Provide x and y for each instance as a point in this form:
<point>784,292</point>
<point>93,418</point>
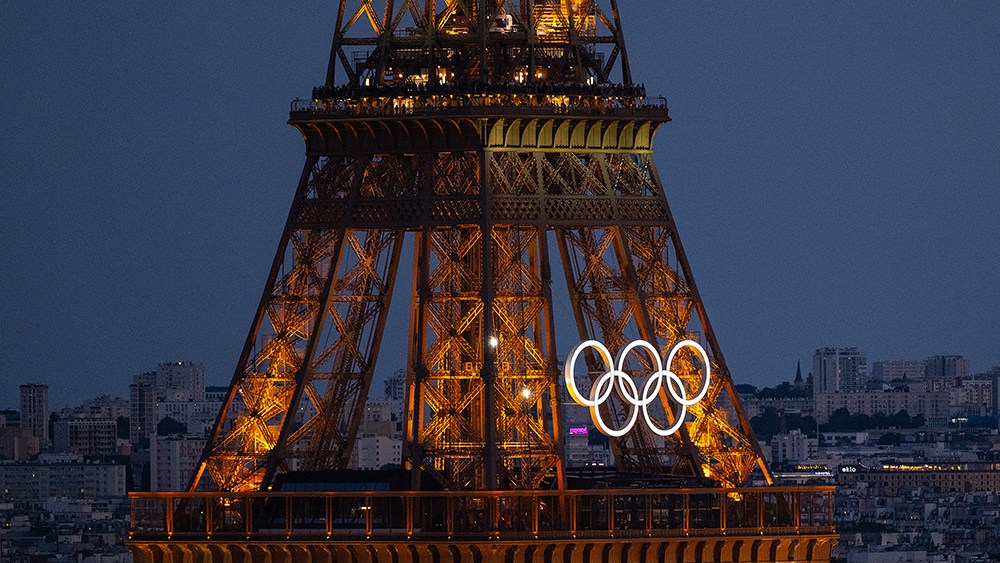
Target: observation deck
<point>409,119</point>
<point>519,100</point>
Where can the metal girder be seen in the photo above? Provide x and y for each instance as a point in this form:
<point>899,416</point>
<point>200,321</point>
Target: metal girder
<point>527,211</point>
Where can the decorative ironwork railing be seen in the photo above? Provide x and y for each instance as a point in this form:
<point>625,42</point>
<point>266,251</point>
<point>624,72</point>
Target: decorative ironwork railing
<point>388,515</point>
<point>460,106</point>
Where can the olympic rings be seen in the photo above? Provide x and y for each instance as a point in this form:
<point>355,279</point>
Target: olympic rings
<point>627,390</point>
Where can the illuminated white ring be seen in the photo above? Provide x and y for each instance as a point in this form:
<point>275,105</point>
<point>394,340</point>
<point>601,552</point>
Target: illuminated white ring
<point>631,397</point>
<point>628,392</point>
<point>708,369</point>
<point>653,355</point>
<point>574,393</point>
<point>679,418</point>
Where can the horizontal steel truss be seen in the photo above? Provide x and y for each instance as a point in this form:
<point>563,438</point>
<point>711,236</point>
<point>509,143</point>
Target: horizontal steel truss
<point>478,415</point>
<point>496,128</point>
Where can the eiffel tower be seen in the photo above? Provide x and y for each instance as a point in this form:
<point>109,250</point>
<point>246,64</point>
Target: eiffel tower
<point>489,138</point>
<point>493,131</point>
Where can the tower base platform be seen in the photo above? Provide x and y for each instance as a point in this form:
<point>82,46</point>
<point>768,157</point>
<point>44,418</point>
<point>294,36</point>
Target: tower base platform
<point>723,525</point>
<point>719,549</point>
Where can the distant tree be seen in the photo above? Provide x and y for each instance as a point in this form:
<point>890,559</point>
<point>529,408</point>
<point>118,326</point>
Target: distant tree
<point>879,420</point>
<point>168,426</point>
<point>746,389</point>
<point>902,419</point>
<point>783,391</point>
<point>771,422</point>
<point>839,420</point>
<point>807,425</point>
<point>766,425</point>
<point>863,422</point>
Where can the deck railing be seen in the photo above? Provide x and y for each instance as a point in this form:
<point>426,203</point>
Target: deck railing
<point>323,109</point>
<point>389,515</point>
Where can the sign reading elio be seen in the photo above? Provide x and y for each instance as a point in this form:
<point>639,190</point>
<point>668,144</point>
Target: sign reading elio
<point>628,392</point>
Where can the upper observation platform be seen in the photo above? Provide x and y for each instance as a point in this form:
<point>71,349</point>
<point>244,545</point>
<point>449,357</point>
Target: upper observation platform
<point>457,44</point>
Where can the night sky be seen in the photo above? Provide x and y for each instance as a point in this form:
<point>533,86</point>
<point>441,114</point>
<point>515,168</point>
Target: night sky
<point>833,168</point>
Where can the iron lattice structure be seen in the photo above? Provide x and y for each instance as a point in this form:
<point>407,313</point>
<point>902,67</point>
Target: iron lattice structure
<point>499,134</point>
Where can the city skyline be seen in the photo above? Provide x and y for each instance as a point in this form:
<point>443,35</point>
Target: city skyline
<point>149,169</point>
<point>385,373</point>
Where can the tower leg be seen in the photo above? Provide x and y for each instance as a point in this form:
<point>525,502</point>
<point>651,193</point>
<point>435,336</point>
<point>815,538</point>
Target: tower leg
<point>630,279</point>
<point>483,410</point>
<point>315,336</point>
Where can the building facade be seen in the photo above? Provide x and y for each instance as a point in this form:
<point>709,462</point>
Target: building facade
<point>84,435</point>
<point>35,412</point>
<point>972,397</point>
<point>947,367</point>
<point>181,381</point>
<point>197,416</point>
<point>373,451</point>
<point>889,371</point>
<point>63,475</point>
<point>931,404</point>
<point>172,461</point>
<point>142,407</point>
<point>839,370</point>
<point>17,444</point>
<point>891,479</point>
<point>793,447</point>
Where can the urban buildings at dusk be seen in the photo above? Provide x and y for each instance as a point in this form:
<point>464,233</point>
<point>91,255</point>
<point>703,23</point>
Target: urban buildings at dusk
<point>924,490</point>
<point>496,171</point>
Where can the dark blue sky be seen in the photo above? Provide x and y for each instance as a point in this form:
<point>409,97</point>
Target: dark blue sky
<point>833,168</point>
